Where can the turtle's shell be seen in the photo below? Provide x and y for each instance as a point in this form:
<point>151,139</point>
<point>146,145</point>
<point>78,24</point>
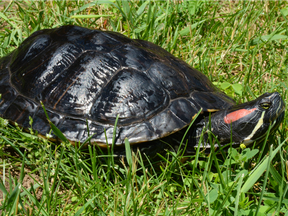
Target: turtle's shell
<point>86,77</point>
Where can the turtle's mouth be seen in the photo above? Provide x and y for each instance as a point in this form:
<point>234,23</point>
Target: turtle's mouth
<point>279,118</point>
<point>276,97</point>
<point>274,126</point>
<point>282,110</point>
<point>279,113</point>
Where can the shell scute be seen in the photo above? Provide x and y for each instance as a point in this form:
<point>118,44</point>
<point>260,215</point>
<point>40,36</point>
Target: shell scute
<point>8,93</point>
<point>98,41</point>
<point>133,57</point>
<point>132,95</point>
<point>169,78</point>
<point>78,86</point>
<point>183,109</point>
<point>20,110</point>
<point>211,100</point>
<point>165,123</point>
<point>30,49</point>
<point>41,124</point>
<point>32,77</point>
<point>77,133</point>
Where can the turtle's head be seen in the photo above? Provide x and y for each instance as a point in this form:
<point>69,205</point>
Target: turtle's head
<point>249,121</point>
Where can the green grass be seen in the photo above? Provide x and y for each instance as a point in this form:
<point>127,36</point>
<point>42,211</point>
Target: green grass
<point>241,46</point>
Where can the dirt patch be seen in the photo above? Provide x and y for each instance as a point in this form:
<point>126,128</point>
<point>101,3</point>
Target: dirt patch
<point>4,4</point>
<point>29,181</point>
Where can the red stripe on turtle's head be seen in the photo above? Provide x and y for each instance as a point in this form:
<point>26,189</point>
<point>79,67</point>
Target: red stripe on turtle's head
<point>236,115</point>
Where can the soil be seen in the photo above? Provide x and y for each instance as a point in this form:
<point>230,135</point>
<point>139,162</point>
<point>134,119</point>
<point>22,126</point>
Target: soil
<point>27,182</point>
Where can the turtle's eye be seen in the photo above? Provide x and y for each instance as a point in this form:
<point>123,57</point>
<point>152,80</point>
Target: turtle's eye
<point>265,105</point>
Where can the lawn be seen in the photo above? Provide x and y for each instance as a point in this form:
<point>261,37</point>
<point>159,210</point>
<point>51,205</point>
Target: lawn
<point>239,45</point>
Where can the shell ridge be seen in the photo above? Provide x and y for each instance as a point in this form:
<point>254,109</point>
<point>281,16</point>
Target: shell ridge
<point>59,74</point>
<point>132,106</point>
<point>33,59</point>
<point>76,78</point>
<point>178,117</point>
<point>100,92</point>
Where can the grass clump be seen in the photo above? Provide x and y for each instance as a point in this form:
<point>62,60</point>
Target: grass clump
<point>239,45</point>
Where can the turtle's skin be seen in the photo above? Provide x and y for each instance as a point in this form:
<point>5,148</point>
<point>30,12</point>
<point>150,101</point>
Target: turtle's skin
<point>87,77</point>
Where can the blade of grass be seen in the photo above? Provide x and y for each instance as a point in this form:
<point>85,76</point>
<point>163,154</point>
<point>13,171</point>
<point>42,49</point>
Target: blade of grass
<point>256,173</point>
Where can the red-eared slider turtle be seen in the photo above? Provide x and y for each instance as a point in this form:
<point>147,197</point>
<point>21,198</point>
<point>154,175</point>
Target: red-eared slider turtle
<point>86,77</point>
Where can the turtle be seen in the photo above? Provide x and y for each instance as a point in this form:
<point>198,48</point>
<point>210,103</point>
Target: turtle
<point>88,78</point>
